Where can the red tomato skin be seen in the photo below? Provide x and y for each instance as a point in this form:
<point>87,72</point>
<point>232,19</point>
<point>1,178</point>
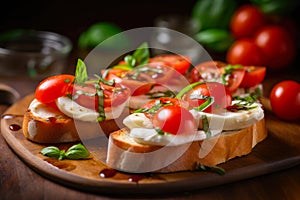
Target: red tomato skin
<point>174,120</point>
<point>277,46</point>
<point>54,87</point>
<point>285,100</point>
<point>245,52</point>
<point>178,62</point>
<point>214,70</point>
<point>246,20</point>
<point>213,67</point>
<point>253,76</point>
<point>111,99</point>
<point>221,94</point>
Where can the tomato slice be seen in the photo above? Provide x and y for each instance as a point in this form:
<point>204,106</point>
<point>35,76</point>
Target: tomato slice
<point>115,74</point>
<point>235,79</point>
<point>174,120</point>
<point>178,62</point>
<point>199,94</point>
<point>209,70</point>
<point>113,96</point>
<point>54,87</point>
<point>253,76</point>
<point>212,71</point>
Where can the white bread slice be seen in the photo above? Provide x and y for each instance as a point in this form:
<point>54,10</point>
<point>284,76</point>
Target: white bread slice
<point>222,148</point>
<point>61,129</point>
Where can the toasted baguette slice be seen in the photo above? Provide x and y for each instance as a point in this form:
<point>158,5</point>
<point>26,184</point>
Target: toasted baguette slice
<point>209,152</point>
<point>59,128</point>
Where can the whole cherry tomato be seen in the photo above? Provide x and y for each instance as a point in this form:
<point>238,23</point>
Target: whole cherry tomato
<point>245,52</point>
<point>54,87</point>
<point>285,99</point>
<point>277,46</point>
<point>175,120</point>
<point>246,20</point>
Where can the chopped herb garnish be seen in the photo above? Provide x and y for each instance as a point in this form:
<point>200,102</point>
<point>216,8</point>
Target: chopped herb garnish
<point>228,71</point>
<point>100,94</point>
<point>159,131</point>
<point>153,109</point>
<point>106,82</point>
<point>209,101</point>
<point>246,102</point>
<point>214,169</point>
<point>206,126</point>
<point>159,94</point>
<point>67,80</point>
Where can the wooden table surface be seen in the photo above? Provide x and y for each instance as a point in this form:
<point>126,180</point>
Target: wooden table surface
<point>18,181</point>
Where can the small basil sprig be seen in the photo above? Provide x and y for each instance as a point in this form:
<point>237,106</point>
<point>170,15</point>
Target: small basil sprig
<point>80,73</point>
<point>75,152</point>
<point>139,57</point>
<point>214,169</point>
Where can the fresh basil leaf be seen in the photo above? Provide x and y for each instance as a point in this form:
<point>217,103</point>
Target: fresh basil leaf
<point>130,60</point>
<point>141,54</point>
<point>53,152</point>
<point>76,152</point>
<point>81,73</point>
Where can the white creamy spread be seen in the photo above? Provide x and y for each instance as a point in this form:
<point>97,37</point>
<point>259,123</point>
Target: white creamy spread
<point>141,128</point>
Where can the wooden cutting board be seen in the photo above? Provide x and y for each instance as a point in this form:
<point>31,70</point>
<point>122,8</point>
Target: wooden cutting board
<point>279,151</point>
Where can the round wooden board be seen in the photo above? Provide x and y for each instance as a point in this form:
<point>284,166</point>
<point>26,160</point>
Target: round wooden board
<point>265,158</point>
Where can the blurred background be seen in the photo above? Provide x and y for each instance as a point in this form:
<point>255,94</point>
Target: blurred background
<point>71,18</point>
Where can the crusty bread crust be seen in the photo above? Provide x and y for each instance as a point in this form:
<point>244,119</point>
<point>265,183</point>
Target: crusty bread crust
<point>64,129</point>
<point>209,152</point>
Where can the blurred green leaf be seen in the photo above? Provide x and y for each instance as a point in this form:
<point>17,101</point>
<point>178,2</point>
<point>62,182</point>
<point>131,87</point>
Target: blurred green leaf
<point>218,40</point>
<point>213,13</point>
<point>97,33</point>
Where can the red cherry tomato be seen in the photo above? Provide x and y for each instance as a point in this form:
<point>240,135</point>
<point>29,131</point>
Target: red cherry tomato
<point>164,101</point>
<point>178,62</point>
<point>253,76</point>
<point>54,87</point>
<point>285,100</point>
<point>197,96</point>
<point>174,120</point>
<point>113,96</point>
<point>246,21</point>
<point>277,46</point>
<point>245,52</point>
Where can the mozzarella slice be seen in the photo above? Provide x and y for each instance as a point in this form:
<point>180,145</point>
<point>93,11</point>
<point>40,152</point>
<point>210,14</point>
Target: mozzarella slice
<point>43,110</point>
<point>235,120</point>
<point>141,128</point>
<point>76,111</point>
